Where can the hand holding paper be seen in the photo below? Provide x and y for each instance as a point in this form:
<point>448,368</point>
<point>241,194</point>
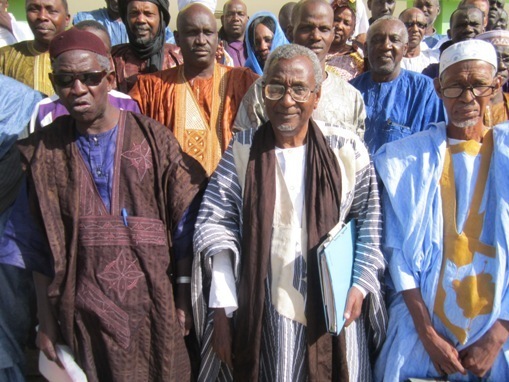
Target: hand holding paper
<point>70,372</point>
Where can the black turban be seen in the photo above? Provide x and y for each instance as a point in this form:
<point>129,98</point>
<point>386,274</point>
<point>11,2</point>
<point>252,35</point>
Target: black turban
<point>154,50</point>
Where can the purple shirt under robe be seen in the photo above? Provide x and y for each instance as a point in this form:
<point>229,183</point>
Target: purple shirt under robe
<point>236,51</point>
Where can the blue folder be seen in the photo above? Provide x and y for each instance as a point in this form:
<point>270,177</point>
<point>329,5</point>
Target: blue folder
<point>335,264</point>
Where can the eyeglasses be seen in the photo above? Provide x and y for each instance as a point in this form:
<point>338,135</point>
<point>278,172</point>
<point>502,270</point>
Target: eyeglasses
<point>411,24</point>
<point>477,91</point>
<point>275,92</point>
<point>65,80</point>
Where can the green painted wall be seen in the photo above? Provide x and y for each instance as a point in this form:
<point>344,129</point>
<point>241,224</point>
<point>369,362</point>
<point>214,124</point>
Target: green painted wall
<point>446,10</point>
<point>17,8</point>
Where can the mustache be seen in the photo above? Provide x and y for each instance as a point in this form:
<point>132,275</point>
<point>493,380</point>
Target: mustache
<point>140,28</point>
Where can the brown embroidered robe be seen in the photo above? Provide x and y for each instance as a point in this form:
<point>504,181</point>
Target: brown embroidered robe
<point>111,287</point>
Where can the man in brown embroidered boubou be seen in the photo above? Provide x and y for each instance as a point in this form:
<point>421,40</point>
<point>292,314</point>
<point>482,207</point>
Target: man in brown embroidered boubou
<point>112,191</point>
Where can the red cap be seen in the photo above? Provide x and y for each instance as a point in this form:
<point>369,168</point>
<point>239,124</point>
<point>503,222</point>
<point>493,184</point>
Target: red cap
<point>76,39</point>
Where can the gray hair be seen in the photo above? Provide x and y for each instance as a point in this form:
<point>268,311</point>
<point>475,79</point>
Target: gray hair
<point>404,34</point>
<point>103,61</point>
<point>289,51</point>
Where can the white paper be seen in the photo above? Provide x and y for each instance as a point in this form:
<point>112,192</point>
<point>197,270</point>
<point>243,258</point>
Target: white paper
<point>53,373</point>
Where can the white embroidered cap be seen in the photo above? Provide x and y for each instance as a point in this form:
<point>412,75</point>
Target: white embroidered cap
<point>496,37</point>
<point>468,50</point>
<point>210,4</point>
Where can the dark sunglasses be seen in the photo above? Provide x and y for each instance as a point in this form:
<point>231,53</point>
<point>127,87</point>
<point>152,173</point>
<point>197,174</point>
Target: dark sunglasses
<point>411,24</point>
<point>65,80</point>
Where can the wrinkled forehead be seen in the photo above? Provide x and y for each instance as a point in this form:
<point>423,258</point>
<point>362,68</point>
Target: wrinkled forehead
<point>295,70</point>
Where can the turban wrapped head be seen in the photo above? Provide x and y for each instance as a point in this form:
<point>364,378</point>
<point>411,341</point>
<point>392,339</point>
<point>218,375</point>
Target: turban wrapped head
<point>152,51</point>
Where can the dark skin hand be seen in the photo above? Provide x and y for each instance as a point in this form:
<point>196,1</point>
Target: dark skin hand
<point>48,334</point>
<point>220,52</point>
<point>479,357</point>
<point>222,337</point>
<point>443,354</point>
<point>183,306</point>
<point>5,20</point>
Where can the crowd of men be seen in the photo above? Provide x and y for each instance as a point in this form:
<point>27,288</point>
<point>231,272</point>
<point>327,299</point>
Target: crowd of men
<point>163,192</point>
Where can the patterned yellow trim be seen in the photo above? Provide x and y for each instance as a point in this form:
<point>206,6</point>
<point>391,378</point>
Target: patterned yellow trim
<point>198,138</point>
<point>475,295</point>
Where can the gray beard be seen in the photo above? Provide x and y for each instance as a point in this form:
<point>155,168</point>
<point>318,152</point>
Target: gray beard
<point>465,124</point>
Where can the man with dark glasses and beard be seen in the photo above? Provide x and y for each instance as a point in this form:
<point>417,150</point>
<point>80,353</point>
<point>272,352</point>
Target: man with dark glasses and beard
<point>103,186</point>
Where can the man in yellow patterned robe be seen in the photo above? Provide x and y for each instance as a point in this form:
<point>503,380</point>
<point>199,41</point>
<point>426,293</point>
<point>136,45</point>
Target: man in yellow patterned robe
<point>198,101</point>
<point>28,61</point>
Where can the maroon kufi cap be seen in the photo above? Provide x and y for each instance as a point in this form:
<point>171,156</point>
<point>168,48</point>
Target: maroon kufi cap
<point>76,39</point>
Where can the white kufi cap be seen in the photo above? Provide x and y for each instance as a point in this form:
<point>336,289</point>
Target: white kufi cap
<point>468,50</point>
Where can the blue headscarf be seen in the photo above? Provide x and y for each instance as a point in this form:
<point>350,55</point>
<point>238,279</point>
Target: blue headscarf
<point>278,40</point>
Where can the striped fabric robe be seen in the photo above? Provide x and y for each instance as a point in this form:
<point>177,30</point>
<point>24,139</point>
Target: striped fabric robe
<point>219,227</point>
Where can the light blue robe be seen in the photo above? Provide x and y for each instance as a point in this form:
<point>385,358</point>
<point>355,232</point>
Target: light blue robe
<point>17,102</point>
<point>410,171</point>
<point>397,108</point>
